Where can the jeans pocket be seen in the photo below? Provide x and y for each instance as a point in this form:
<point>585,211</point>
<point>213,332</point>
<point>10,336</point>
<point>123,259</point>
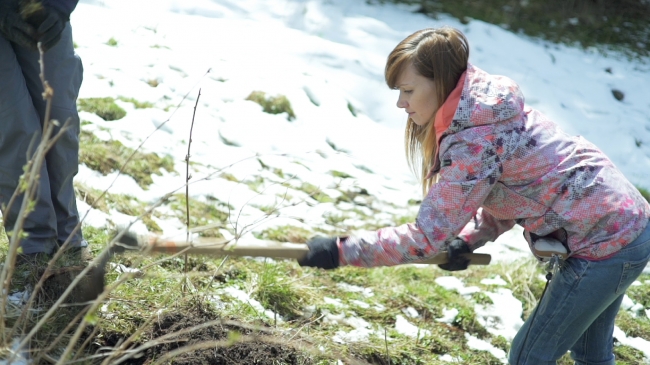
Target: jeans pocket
<point>631,271</point>
<point>572,269</point>
<point>567,278</point>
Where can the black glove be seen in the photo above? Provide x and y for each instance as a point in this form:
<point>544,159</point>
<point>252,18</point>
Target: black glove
<point>323,253</point>
<point>13,27</point>
<point>456,261</point>
<point>49,23</point>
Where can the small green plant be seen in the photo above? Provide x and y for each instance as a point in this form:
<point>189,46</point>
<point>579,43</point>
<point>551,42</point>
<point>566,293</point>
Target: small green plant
<point>105,108</point>
<point>277,292</point>
<point>272,104</point>
<point>112,42</point>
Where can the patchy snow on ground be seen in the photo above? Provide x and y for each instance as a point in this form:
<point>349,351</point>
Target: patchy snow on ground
<point>327,58</point>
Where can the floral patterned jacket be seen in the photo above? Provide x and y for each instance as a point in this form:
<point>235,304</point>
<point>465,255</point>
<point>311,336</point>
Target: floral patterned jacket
<point>501,163</point>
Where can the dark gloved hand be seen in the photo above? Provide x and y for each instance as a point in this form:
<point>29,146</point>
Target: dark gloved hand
<point>323,253</point>
<point>457,262</point>
<point>13,27</point>
<point>49,23</point>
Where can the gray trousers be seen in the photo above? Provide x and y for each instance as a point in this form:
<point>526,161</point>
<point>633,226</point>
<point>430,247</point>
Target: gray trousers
<point>22,110</point>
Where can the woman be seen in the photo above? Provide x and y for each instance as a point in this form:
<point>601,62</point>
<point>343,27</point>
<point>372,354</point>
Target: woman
<point>488,162</point>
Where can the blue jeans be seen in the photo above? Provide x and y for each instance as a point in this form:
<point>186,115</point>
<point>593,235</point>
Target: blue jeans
<point>579,308</point>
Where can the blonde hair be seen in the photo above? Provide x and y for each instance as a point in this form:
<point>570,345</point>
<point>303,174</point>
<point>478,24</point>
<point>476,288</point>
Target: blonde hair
<point>440,54</point>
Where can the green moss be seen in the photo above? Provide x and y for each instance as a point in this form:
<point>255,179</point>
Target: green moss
<point>272,104</point>
<point>256,184</point>
<point>122,203</point>
<point>136,103</point>
<point>109,156</point>
<point>640,293</point>
<point>103,107</point>
<point>632,326</point>
<point>626,355</point>
<point>278,172</point>
<point>228,176</point>
<point>228,142</point>
<point>314,192</point>
<point>286,234</point>
<point>212,213</point>
<point>352,109</point>
<point>335,147</point>
<point>340,174</point>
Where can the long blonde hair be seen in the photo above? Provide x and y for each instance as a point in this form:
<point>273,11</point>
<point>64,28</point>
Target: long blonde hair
<point>440,54</point>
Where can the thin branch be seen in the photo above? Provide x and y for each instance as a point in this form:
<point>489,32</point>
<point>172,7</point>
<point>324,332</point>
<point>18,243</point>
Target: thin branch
<point>188,176</point>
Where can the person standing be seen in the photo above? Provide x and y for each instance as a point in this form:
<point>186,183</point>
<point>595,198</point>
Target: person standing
<point>23,24</point>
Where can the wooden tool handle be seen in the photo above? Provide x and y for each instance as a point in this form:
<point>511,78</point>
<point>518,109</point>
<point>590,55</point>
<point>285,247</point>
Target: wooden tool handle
<point>261,248</point>
<point>474,259</point>
<point>221,247</point>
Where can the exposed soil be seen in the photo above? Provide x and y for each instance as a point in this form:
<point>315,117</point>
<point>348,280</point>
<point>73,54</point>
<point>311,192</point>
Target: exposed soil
<point>86,290</point>
<point>256,351</point>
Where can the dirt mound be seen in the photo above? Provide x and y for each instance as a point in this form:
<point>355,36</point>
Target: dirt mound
<point>215,344</point>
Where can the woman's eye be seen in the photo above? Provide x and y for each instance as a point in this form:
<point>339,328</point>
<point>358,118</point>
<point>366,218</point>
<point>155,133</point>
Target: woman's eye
<point>408,91</point>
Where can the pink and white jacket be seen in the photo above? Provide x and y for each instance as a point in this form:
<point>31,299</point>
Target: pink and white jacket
<point>501,163</point>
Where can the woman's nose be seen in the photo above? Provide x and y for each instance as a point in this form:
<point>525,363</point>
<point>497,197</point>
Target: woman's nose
<point>401,103</point>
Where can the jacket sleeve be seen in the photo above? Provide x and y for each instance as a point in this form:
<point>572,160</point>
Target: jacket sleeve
<point>482,228</point>
<point>469,171</point>
<point>64,6</point>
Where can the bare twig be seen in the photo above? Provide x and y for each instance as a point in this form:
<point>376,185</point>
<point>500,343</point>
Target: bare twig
<point>137,149</point>
<point>188,176</point>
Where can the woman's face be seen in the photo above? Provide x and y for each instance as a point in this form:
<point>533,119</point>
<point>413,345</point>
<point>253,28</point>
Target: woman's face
<point>417,95</point>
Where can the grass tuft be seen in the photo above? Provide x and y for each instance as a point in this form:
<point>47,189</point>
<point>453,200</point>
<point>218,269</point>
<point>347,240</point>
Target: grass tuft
<point>286,234</point>
<point>105,108</point>
<point>279,292</point>
<point>138,104</point>
<point>273,104</point>
<point>109,156</point>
